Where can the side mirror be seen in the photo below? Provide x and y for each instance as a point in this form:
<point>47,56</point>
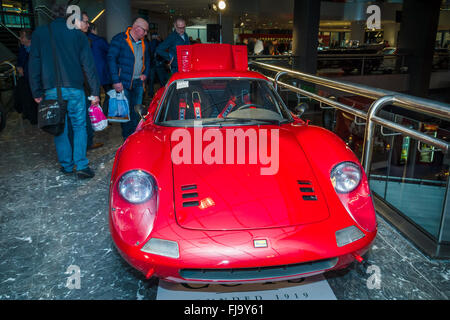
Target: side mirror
<point>300,109</point>
<point>141,110</point>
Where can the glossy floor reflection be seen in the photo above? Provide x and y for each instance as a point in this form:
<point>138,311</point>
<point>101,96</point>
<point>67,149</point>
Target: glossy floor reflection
<point>52,226</point>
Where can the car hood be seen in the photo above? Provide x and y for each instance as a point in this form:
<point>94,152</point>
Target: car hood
<point>238,196</point>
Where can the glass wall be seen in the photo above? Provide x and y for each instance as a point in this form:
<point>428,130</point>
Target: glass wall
<point>412,176</point>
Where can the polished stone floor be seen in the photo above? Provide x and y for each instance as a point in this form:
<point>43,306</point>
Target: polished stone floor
<point>53,226</point>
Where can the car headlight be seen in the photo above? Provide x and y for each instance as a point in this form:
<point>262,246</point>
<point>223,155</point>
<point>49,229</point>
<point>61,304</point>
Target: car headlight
<point>345,177</point>
<point>136,186</point>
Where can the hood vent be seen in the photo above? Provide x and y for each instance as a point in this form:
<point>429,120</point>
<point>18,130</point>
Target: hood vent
<point>190,196</point>
<point>188,187</point>
<point>306,187</point>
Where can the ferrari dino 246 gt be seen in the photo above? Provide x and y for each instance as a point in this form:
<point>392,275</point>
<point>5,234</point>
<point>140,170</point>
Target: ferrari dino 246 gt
<point>221,183</point>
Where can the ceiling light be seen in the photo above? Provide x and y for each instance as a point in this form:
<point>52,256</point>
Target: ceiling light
<point>98,16</point>
<point>222,4</point>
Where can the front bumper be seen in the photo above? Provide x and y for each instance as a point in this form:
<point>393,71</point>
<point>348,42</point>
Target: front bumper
<point>230,257</point>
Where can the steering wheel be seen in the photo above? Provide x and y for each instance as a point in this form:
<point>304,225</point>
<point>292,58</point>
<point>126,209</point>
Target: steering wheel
<point>249,105</point>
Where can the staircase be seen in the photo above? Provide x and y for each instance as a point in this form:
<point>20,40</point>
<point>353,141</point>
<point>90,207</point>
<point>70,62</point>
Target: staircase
<point>8,40</point>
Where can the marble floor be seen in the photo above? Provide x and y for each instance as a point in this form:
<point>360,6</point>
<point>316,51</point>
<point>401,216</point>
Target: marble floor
<point>54,226</point>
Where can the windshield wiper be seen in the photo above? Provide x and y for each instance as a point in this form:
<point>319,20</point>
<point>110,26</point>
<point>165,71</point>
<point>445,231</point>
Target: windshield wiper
<point>271,121</point>
<point>220,121</point>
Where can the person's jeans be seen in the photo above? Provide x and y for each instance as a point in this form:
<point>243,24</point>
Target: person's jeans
<point>134,97</point>
<point>76,112</point>
<point>89,130</point>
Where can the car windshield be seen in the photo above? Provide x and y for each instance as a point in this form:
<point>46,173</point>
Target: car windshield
<point>218,102</point>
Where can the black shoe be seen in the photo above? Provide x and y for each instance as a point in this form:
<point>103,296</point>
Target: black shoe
<point>85,173</point>
<point>67,173</point>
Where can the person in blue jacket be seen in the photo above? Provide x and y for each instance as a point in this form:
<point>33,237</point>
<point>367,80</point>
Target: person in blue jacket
<point>100,48</point>
<point>129,65</point>
<point>168,48</point>
<point>76,66</point>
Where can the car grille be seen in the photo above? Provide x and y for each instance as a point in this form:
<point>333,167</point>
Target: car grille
<point>258,273</point>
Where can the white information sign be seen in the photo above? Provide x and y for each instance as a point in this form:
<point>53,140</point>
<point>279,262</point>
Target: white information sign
<point>311,288</point>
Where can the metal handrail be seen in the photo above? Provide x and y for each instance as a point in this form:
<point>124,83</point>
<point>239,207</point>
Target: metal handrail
<point>382,98</point>
<point>49,13</point>
<point>42,7</point>
<point>10,31</point>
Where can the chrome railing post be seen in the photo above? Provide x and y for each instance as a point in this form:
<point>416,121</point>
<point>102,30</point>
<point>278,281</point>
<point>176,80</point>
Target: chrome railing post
<point>370,129</point>
<point>278,75</point>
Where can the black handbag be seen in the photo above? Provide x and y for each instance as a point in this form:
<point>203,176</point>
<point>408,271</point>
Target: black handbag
<point>52,113</point>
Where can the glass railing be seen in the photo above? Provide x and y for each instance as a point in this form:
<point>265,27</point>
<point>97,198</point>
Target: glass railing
<point>407,175</point>
<point>411,176</point>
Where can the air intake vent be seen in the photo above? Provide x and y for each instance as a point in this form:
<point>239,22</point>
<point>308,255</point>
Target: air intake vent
<point>190,195</point>
<point>242,274</point>
<point>191,204</point>
<point>188,187</point>
<point>306,187</point>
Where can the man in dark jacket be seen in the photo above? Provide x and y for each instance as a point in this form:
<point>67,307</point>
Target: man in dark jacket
<point>168,48</point>
<point>100,48</point>
<point>129,66</point>
<point>23,95</point>
<point>154,43</point>
<point>74,57</point>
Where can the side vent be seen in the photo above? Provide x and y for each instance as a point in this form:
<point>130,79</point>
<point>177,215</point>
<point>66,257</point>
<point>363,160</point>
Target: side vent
<point>306,187</point>
<point>188,187</point>
<point>190,196</point>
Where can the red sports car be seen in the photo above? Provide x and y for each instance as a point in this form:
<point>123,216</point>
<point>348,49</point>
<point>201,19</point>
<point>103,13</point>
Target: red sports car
<point>221,183</point>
